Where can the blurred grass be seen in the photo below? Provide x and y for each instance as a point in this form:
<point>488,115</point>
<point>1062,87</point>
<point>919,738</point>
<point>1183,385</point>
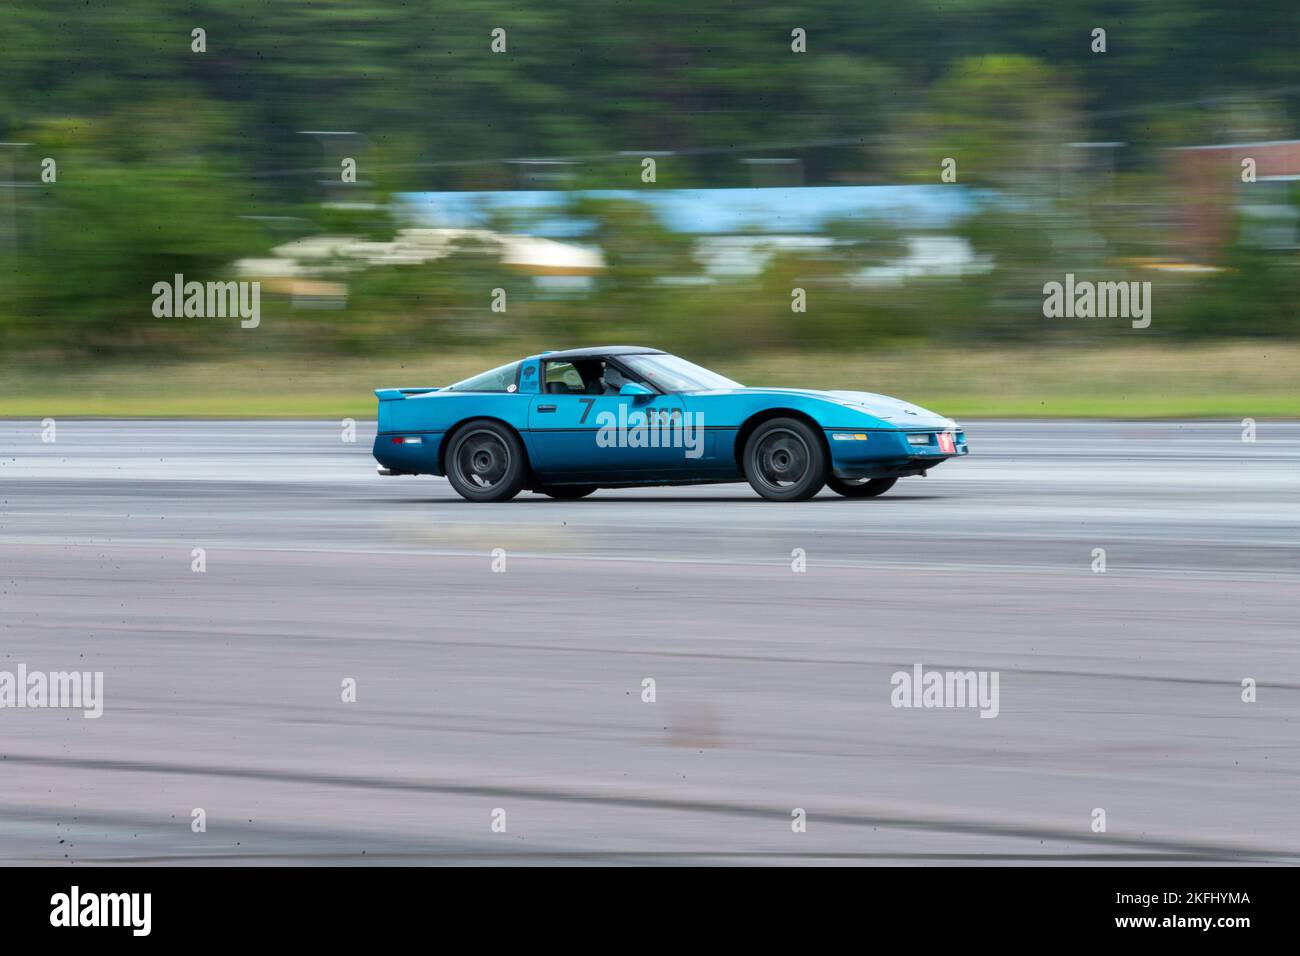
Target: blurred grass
<point>1254,379</point>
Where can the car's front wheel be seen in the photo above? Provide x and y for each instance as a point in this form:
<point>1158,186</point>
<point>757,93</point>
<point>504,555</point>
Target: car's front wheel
<point>785,460</point>
<point>486,461</point>
<point>566,492</point>
<point>860,487</point>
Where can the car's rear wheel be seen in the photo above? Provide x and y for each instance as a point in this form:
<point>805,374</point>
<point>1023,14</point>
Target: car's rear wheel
<point>860,487</point>
<point>785,460</point>
<point>486,461</point>
<point>566,492</point>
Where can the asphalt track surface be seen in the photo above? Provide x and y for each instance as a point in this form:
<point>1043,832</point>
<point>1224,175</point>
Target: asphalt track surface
<point>522,690</point>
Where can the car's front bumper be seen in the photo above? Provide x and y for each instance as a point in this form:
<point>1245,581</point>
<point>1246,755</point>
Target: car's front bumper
<point>892,454</point>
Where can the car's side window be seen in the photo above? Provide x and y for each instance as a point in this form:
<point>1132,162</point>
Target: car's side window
<point>503,379</point>
<point>564,378</point>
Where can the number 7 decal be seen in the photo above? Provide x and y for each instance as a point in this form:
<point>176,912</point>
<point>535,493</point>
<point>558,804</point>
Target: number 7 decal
<point>586,411</point>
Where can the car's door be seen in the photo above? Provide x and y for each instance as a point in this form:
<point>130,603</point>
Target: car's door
<point>714,454</point>
<point>579,432</point>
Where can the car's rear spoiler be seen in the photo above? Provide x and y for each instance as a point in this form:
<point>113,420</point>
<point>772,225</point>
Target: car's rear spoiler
<point>393,394</point>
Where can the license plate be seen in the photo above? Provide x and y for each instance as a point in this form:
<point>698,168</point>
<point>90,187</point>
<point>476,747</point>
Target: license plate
<point>946,444</point>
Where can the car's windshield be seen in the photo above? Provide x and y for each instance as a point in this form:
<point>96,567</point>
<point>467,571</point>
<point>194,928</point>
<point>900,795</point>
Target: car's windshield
<point>669,373</point>
<point>498,380</point>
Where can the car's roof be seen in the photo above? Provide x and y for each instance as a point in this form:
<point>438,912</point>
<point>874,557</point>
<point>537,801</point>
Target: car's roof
<point>598,351</point>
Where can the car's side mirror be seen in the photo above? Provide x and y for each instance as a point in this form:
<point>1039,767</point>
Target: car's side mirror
<point>635,389</point>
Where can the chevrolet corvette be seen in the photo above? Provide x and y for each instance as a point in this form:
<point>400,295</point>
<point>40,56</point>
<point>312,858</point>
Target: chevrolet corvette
<point>564,424</point>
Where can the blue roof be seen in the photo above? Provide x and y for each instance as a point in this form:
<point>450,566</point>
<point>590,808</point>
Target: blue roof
<point>772,210</point>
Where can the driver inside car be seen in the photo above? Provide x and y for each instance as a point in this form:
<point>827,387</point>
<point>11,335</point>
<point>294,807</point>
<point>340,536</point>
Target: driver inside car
<point>614,380</point>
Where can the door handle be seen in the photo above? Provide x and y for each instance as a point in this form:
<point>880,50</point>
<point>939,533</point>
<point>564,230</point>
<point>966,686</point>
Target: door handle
<point>546,408</point>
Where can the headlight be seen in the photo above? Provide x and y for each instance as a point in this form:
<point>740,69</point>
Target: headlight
<point>918,439</point>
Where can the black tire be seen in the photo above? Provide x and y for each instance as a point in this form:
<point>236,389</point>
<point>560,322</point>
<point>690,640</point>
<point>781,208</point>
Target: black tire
<point>785,460</point>
<point>859,487</point>
<point>486,461</point>
<point>566,492</point>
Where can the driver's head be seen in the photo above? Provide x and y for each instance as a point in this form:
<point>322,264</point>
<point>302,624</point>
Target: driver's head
<point>614,379</point>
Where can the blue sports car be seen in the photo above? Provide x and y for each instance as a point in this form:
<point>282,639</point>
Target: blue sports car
<point>566,423</point>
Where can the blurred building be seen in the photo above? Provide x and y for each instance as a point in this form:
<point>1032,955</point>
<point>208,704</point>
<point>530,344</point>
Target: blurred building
<point>737,231</point>
<point>1218,183</point>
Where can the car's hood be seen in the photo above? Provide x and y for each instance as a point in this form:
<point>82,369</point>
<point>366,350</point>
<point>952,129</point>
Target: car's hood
<point>898,413</point>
